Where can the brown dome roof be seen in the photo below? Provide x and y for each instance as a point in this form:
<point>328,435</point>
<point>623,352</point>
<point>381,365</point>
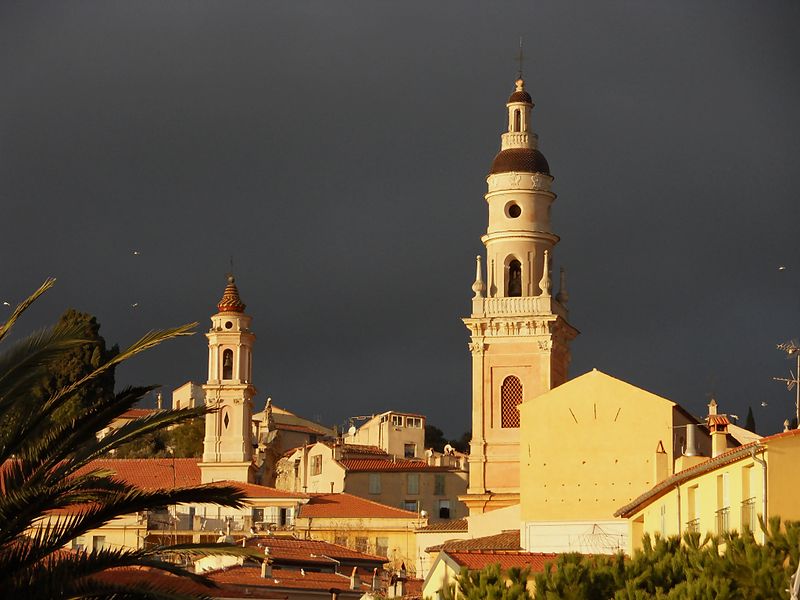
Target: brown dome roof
<point>525,160</point>
<point>230,301</point>
<point>520,96</point>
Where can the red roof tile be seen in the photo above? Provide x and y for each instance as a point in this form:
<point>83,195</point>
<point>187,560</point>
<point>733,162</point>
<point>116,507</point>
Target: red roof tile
<point>478,559</point>
<point>507,540</point>
<point>293,548</point>
<point>400,464</point>
<point>137,413</point>
<point>299,428</point>
<point>262,491</point>
<point>445,526</point>
<point>346,505</point>
<point>285,579</point>
<point>150,473</point>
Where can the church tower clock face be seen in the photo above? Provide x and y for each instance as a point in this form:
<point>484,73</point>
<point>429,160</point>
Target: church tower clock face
<point>519,330</point>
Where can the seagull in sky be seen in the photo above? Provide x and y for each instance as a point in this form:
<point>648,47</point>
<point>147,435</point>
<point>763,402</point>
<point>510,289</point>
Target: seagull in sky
<point>782,268</point>
<point>763,403</point>
<point>135,305</point>
<point>136,253</point>
<point>6,303</point>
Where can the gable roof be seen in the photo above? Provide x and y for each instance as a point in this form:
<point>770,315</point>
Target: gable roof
<point>728,457</point>
<point>284,579</point>
<point>348,506</point>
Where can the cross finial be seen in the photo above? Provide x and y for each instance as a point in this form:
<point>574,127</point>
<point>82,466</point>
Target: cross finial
<point>520,59</point>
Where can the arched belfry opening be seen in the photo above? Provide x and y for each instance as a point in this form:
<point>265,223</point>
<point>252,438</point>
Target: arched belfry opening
<point>514,279</point>
<point>510,399</point>
<point>227,364</point>
<point>517,120</point>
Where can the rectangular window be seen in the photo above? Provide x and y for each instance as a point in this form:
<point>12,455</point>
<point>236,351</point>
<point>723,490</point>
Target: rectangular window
<point>415,422</point>
<point>382,546</point>
<point>79,543</point>
<point>444,509</point>
<point>409,505</point>
<point>397,420</point>
<point>663,519</point>
<point>98,542</point>
<point>438,485</point>
<point>316,464</point>
<point>340,539</point>
<point>374,483</point>
<point>362,544</point>
<point>410,450</point>
<point>258,515</point>
<point>412,483</point>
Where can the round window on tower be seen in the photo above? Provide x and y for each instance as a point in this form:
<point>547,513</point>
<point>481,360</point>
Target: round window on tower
<point>228,324</point>
<point>513,210</point>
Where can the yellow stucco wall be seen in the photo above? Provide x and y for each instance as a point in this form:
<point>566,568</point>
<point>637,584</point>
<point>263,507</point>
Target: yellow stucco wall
<point>588,447</point>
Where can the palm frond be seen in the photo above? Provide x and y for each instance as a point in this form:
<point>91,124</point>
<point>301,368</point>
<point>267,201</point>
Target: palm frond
<point>23,306</point>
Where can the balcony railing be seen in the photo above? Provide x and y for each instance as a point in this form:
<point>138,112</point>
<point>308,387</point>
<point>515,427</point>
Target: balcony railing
<point>723,519</point>
<point>693,525</point>
<point>749,514</point>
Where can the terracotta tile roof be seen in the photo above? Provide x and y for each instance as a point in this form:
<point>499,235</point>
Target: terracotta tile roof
<point>478,559</point>
<point>445,526</point>
<point>299,428</point>
<point>261,491</point>
<point>285,579</point>
<point>363,449</point>
<point>346,505</point>
<point>725,458</point>
<point>150,473</point>
<point>400,464</point>
<point>292,549</point>
<point>413,588</point>
<point>507,540</point>
<point>137,413</point>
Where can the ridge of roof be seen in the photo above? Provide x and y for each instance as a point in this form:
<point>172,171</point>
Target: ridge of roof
<point>348,505</point>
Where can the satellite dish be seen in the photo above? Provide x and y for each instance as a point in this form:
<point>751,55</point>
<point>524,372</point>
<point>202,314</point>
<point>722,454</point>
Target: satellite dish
<point>429,452</point>
<point>448,449</point>
<point>352,430</point>
<point>423,514</point>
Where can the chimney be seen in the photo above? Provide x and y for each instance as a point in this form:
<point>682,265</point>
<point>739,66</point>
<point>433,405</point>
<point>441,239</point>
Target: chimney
<point>661,464</point>
<point>266,568</point>
<point>375,579</point>
<point>355,580</point>
<point>159,401</point>
<point>691,440</point>
<point>718,426</point>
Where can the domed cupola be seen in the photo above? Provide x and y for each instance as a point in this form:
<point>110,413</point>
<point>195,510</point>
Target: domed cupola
<point>518,151</point>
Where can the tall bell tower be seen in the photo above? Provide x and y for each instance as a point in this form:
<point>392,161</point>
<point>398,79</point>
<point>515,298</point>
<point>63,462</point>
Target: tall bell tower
<point>228,443</point>
<point>519,331</point>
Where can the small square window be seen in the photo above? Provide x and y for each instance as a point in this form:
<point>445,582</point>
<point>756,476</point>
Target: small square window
<point>410,505</point>
<point>415,422</point>
<point>397,420</point>
<point>444,509</point>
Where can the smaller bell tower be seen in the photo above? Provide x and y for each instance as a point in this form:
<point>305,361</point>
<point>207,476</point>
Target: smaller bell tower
<point>228,447</point>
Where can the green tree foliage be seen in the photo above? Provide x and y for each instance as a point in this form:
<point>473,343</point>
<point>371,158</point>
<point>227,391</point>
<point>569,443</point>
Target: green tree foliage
<point>750,421</point>
<point>183,441</point>
<point>492,584</point>
<point>728,567</point>
<point>79,362</point>
<point>434,438</point>
<point>48,469</point>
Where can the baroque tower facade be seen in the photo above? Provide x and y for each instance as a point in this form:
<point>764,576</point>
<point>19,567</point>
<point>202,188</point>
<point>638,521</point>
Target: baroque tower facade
<point>519,330</point>
<point>228,443</point>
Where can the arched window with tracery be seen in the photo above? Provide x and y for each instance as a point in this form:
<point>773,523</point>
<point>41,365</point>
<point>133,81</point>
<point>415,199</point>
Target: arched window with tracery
<point>227,364</point>
<point>514,278</point>
<point>510,399</point>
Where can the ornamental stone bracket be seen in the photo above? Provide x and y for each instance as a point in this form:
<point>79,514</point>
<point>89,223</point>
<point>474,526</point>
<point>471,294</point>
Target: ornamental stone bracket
<point>477,348</point>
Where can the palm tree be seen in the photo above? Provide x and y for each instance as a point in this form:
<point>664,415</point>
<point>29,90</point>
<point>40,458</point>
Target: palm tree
<point>47,466</point>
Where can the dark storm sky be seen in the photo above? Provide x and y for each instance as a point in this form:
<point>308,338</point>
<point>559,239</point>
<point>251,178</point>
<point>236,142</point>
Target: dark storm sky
<point>338,150</point>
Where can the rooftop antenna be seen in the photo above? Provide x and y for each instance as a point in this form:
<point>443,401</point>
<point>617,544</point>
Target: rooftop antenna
<point>793,381</point>
<point>520,59</point>
<point>230,273</point>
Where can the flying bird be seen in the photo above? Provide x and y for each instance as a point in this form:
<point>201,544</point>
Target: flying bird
<point>782,268</point>
<point>763,403</point>
<point>136,253</point>
<point>6,303</point>
<point>135,305</point>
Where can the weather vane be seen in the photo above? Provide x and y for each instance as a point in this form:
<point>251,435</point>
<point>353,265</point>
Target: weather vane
<point>230,273</point>
<point>520,59</point>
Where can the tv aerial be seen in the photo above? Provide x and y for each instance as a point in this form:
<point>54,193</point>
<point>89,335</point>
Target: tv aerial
<point>792,382</point>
